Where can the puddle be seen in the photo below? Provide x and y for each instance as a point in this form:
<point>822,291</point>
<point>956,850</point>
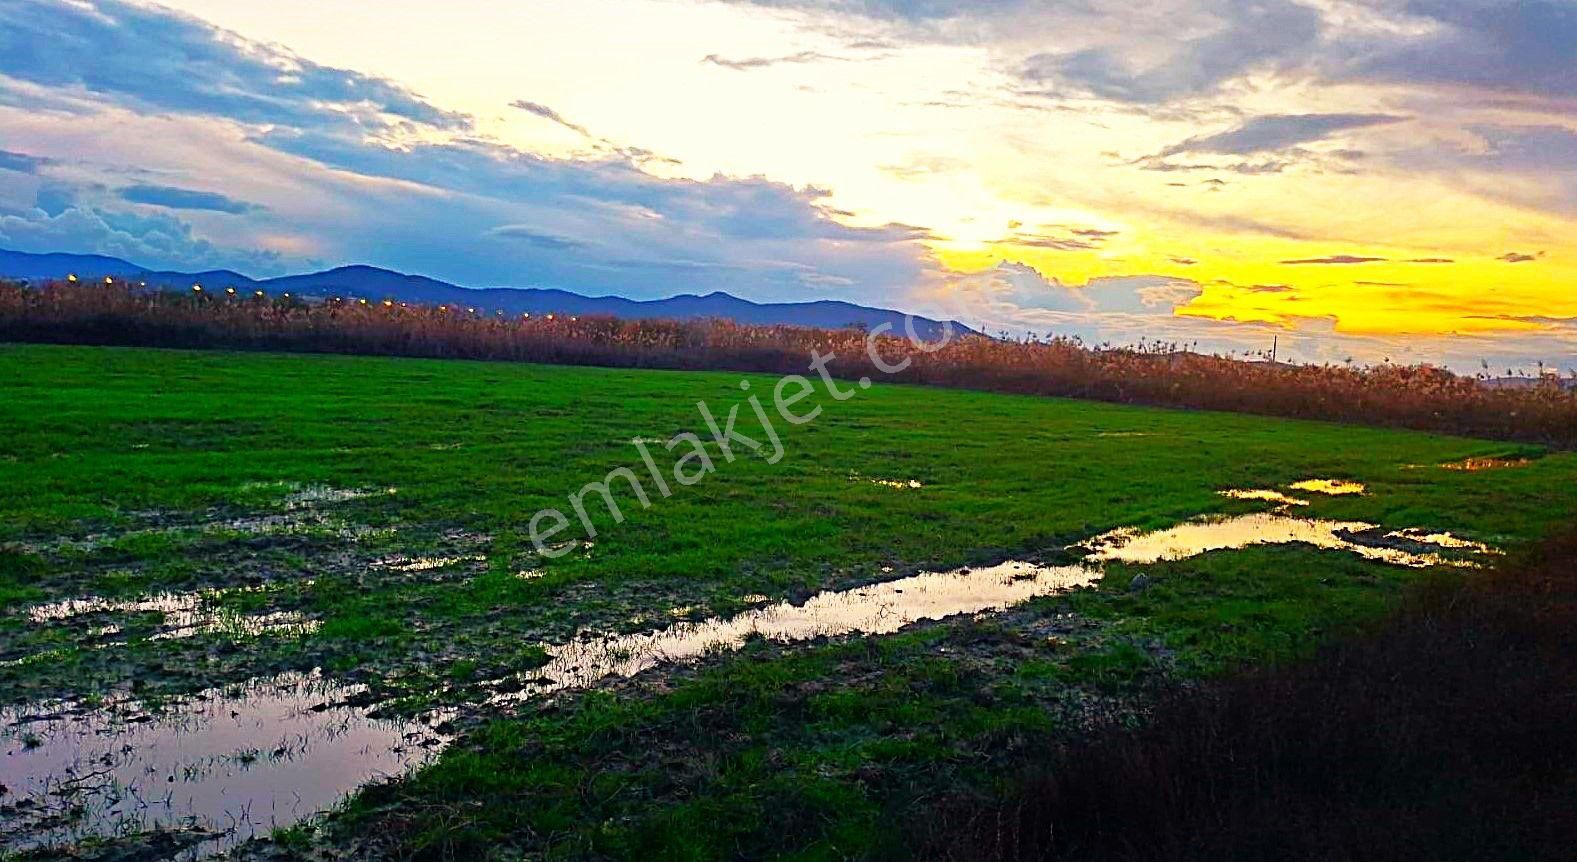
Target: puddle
<point>905,484</point>
<point>234,762</point>
<point>244,762</point>
<point>1235,533</point>
<point>185,615</point>
<point>1330,487</point>
<point>1445,540</point>
<point>1266,497</point>
<point>403,563</point>
<point>1475,465</point>
<point>320,495</point>
<point>871,610</point>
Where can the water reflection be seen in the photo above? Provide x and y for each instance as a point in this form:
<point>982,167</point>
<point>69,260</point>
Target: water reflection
<point>1221,534</point>
<point>234,762</point>
<point>1474,465</point>
<point>1331,487</point>
<point>183,615</point>
<point>875,609</point>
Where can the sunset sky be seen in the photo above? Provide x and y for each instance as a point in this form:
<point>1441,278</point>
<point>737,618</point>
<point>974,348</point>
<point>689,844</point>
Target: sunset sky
<point>1367,179</point>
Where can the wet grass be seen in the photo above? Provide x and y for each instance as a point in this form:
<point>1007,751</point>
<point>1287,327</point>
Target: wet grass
<point>123,468</point>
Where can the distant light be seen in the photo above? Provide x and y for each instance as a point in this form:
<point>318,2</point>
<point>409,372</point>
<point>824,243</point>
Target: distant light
<point>230,290</point>
<point>142,284</point>
<point>550,317</point>
<point>526,315</point>
<point>197,288</point>
<point>287,296</point>
<point>70,277</point>
<point>108,280</point>
<point>388,303</point>
<point>260,293</point>
<point>573,319</point>
<point>364,302</point>
<point>443,308</point>
<point>470,311</point>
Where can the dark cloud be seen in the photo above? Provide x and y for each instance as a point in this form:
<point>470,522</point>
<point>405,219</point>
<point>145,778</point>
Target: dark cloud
<point>164,61</point>
<point>1254,34</point>
<point>548,114</point>
<point>1338,259</point>
<point>1506,46</point>
<point>1519,257</point>
<point>173,198</point>
<point>1431,260</point>
<point>525,234</point>
<point>21,163</point>
<point>1276,132</point>
<point>1184,261</point>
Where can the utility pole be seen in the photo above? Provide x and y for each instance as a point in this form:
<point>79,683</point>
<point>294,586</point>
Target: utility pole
<point>1275,343</point>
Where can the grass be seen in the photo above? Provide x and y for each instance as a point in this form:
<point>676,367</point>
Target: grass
<point>127,471</point>
<point>1445,733</point>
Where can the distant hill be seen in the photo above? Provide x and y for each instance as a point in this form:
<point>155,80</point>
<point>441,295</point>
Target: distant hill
<point>370,282</point>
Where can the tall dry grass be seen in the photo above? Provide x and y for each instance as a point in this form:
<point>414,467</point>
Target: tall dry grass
<point>1418,397</point>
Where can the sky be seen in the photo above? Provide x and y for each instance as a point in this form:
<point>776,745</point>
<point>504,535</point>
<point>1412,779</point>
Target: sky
<point>1357,180</point>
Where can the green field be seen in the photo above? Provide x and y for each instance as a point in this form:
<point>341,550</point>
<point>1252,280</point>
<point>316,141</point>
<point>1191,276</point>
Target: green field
<point>127,473</point>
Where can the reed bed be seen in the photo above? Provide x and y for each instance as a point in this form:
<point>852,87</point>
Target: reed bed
<point>1419,397</point>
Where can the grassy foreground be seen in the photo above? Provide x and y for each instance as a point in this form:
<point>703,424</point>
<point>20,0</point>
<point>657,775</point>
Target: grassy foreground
<point>111,457</point>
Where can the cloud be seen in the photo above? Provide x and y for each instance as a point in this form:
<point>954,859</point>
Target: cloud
<point>1338,259</point>
<point>168,62</point>
<point>157,240</point>
<point>1501,46</point>
<point>1430,260</point>
<point>548,114</point>
<point>1519,257</point>
<point>173,198</point>
<point>1276,132</point>
<point>747,63</point>
<point>525,234</point>
<point>348,167</point>
<point>21,162</point>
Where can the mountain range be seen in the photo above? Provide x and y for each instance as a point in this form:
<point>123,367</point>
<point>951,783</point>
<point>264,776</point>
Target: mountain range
<point>370,282</point>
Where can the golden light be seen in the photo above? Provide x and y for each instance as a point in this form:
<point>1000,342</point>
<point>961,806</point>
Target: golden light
<point>260,293</point>
<point>364,302</point>
<point>388,303</point>
<point>550,317</point>
<point>70,277</point>
<point>108,280</point>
